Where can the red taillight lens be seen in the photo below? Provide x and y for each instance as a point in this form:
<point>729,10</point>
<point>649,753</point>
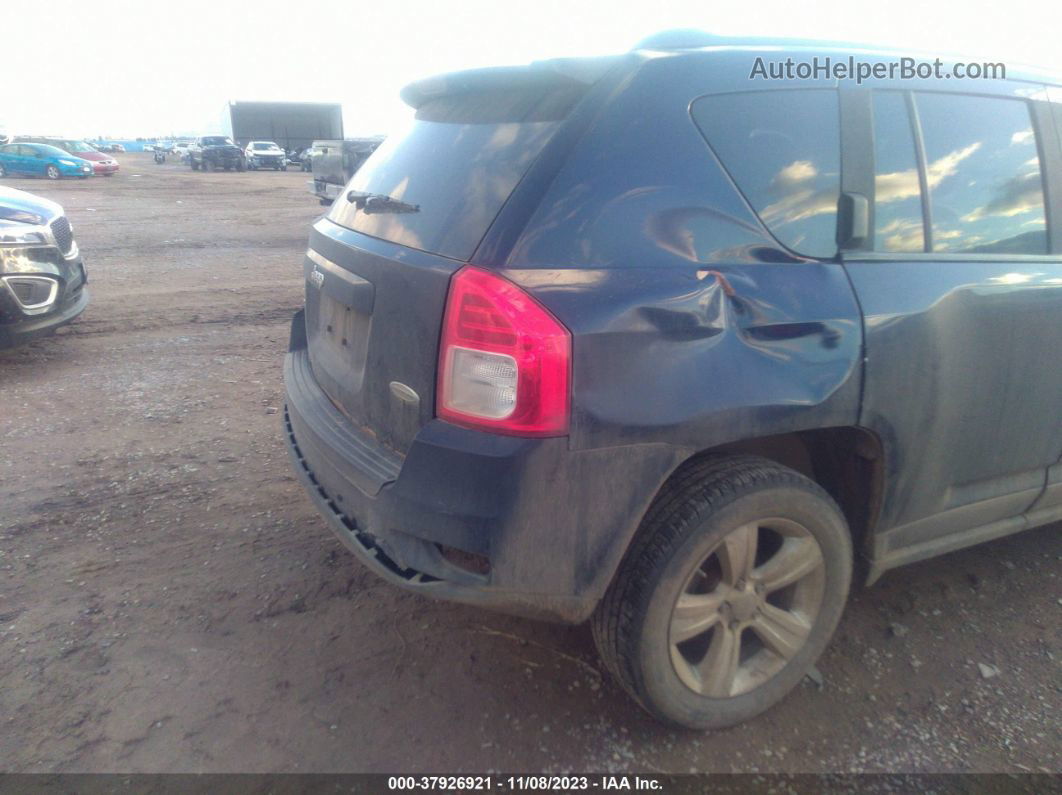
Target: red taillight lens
<point>504,360</point>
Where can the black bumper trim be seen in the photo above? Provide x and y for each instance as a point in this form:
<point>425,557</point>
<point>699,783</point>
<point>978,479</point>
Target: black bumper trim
<point>459,585</point>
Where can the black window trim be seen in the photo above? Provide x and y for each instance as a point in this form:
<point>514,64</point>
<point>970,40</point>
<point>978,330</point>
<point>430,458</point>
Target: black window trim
<point>857,115</point>
<point>915,122</point>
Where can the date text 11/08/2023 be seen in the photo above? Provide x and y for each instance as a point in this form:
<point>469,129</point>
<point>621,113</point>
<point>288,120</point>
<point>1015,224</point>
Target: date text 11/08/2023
<point>524,783</point>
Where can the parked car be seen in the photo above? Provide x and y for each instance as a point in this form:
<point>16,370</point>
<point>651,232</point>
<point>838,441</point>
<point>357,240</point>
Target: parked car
<point>211,152</point>
<point>115,148</point>
<point>43,160</point>
<point>42,276</point>
<point>265,154</point>
<point>643,341</point>
<point>333,163</point>
<point>180,148</point>
<point>102,164</point>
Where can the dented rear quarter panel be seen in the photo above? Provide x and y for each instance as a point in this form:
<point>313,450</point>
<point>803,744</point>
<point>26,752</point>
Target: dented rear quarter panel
<point>692,327</point>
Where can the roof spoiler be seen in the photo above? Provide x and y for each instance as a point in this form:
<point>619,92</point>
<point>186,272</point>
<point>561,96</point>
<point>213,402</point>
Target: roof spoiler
<point>556,73</point>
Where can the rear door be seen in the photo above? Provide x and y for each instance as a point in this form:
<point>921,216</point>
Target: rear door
<point>961,290</point>
<point>380,262</point>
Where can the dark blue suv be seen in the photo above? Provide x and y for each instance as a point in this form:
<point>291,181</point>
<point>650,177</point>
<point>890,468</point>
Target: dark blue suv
<point>656,342</point>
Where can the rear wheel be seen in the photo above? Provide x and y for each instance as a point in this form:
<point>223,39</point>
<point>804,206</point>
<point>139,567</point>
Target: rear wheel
<point>730,592</point>
<point>52,172</point>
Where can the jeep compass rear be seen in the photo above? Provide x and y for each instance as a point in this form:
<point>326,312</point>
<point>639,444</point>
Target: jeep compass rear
<point>583,341</point>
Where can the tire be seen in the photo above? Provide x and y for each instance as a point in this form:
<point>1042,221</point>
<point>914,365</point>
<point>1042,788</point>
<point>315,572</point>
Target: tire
<point>52,172</point>
<point>240,166</point>
<point>690,545</point>
<point>193,164</point>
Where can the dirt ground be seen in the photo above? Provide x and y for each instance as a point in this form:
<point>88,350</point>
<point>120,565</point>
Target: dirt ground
<point>170,600</point>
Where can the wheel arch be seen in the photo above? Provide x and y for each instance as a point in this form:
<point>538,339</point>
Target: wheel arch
<point>846,461</point>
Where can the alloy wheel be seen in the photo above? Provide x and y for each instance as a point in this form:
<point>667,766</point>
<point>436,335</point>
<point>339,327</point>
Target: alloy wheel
<point>747,608</point>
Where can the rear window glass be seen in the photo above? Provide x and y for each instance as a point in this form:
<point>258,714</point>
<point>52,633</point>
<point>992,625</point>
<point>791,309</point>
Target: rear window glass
<point>457,162</point>
<point>783,150</point>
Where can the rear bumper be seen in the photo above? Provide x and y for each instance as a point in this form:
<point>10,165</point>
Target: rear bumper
<point>543,527</point>
<point>325,190</point>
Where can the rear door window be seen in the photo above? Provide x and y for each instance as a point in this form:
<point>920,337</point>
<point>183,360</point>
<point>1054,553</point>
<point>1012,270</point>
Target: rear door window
<point>782,149</point>
<point>983,173</point>
<point>457,162</point>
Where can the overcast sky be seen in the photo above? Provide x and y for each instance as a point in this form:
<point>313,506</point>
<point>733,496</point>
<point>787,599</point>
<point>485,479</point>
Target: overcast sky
<point>103,67</point>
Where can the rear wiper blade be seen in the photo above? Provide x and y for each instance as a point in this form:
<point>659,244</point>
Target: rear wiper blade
<point>370,203</point>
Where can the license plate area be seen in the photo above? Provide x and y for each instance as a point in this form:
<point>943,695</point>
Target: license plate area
<point>339,306</point>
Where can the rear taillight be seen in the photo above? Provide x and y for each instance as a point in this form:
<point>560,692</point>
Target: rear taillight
<point>504,360</point>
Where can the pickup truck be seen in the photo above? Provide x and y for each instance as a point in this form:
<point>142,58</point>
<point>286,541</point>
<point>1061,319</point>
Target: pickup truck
<point>210,152</point>
<point>333,163</point>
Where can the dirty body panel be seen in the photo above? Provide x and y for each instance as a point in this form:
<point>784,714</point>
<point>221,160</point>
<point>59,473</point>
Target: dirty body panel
<point>691,327</point>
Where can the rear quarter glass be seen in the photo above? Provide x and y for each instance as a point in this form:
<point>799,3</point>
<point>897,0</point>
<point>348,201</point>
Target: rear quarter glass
<point>783,150</point>
<point>458,160</point>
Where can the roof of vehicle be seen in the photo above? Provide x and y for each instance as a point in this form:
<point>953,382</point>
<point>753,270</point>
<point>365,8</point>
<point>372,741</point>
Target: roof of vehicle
<point>562,72</point>
<point>688,39</point>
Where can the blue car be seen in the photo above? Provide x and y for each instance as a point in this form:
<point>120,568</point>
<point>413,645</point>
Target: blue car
<point>41,160</point>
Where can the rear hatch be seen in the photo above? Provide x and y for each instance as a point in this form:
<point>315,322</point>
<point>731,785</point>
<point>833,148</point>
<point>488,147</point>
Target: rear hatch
<point>380,262</point>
